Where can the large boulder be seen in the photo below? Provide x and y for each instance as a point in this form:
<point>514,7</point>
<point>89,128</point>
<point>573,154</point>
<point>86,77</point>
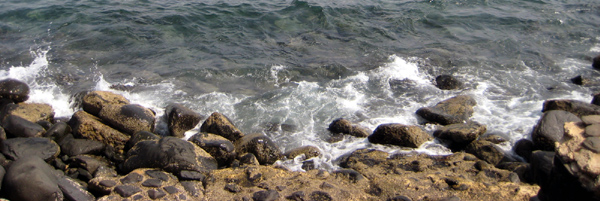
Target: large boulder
<point>44,148</point>
<point>219,124</point>
<point>454,110</point>
<point>170,154</point>
<point>458,136</point>
<point>549,128</point>
<point>128,118</point>
<point>579,108</point>
<point>30,178</point>
<point>140,184</point>
<point>399,134</point>
<point>73,147</point>
<point>140,136</point>
<point>94,101</point>
<point>261,146</point>
<point>19,127</point>
<point>181,119</point>
<point>85,125</point>
<point>33,112</point>
<point>344,126</point>
<point>14,89</point>
<point>217,146</point>
<point>448,82</point>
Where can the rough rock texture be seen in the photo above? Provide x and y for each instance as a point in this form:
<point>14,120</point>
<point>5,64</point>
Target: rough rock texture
<point>217,146</point>
<point>219,124</point>
<point>44,148</point>
<point>263,181</point>
<point>128,118</point>
<point>458,136</point>
<point>576,107</point>
<point>170,154</point>
<point>30,178</point>
<point>487,151</point>
<point>141,184</point>
<point>19,127</point>
<point>14,89</point>
<point>181,119</point>
<point>581,159</point>
<point>308,151</point>
<point>140,136</point>
<point>454,110</point>
<point>549,128</point>
<point>73,147</point>
<point>94,101</point>
<point>261,146</point>
<point>344,126</point>
<point>74,191</point>
<point>448,82</point>
<point>399,134</point>
<point>422,177</point>
<point>88,126</point>
<point>33,112</point>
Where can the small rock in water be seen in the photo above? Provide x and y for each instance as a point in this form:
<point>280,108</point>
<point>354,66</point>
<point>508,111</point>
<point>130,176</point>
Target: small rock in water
<point>448,82</point>
<point>14,89</point>
<point>181,119</point>
<point>596,62</point>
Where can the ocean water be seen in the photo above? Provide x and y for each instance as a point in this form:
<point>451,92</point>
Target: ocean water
<point>299,65</point>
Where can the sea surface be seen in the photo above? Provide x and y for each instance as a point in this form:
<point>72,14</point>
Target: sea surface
<point>289,68</point>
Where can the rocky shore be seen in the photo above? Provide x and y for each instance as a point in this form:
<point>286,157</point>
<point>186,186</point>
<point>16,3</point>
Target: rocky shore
<point>108,150</point>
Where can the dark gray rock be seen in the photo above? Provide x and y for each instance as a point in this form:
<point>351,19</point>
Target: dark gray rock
<point>349,174</point>
<point>44,148</point>
<point>128,118</point>
<point>398,134</point>
<point>219,124</point>
<point>140,136</point>
<point>74,191</point>
<point>249,159</point>
<point>156,193</point>
<point>132,178</point>
<point>344,126</point>
<point>579,108</point>
<point>454,110</point>
<point>268,195</point>
<point>596,62</point>
<point>19,127</point>
<point>542,163</point>
<point>194,188</point>
<point>152,183</point>
<point>170,154</point>
<point>191,175</point>
<point>127,190</point>
<point>448,82</point>
<point>217,146</point>
<point>261,146</point>
<point>15,90</point>
<point>157,175</point>
<point>458,136</point>
<point>58,130</point>
<point>30,178</point>
<point>550,128</point>
<point>523,148</point>
<point>181,119</point>
<point>73,147</point>
<point>487,151</point>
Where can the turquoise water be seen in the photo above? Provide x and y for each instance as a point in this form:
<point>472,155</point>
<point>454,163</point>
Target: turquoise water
<point>305,63</point>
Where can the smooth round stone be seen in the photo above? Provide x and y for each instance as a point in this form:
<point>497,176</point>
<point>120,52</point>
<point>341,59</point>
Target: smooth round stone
<point>592,143</point>
<point>592,130</point>
<point>591,119</point>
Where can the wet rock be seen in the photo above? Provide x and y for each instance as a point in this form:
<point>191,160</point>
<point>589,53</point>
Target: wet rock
<point>58,130</point>
<point>33,112</point>
<point>217,146</point>
<point>549,128</point>
<point>139,184</point>
<point>94,101</point>
<point>30,178</point>
<point>127,190</point>
<point>85,125</point>
<point>181,119</point>
<point>140,136</point>
<point>261,146</point>
<point>219,124</point>
<point>578,108</point>
<point>523,148</point>
<point>19,127</point>
<point>268,195</point>
<point>308,151</point>
<point>15,148</point>
<point>458,136</point>
<point>400,198</point>
<point>128,118</point>
<point>580,80</point>
<point>89,163</point>
<point>521,169</point>
<point>454,110</point>
<point>73,147</point>
<point>45,124</point>
<point>591,119</point>
<point>346,127</point>
<point>15,90</point>
<point>398,134</point>
<point>170,154</point>
<point>486,151</point>
<point>448,82</point>
<point>74,191</point>
<point>494,138</point>
<point>542,163</point>
<point>596,62</point>
<point>249,159</point>
<point>191,175</point>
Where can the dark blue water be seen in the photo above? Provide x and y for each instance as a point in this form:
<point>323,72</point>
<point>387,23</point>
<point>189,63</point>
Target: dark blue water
<point>305,63</point>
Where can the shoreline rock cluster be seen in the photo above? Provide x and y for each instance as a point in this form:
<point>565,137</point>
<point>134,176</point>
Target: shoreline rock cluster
<point>108,151</point>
